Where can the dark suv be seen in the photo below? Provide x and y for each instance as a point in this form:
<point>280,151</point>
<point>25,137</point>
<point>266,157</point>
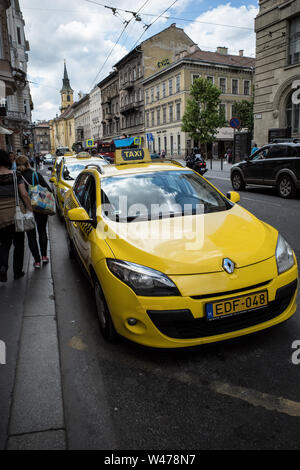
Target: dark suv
<point>276,165</point>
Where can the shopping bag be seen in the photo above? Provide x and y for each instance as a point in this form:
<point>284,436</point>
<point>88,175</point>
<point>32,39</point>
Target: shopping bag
<point>42,200</point>
<point>24,222</point>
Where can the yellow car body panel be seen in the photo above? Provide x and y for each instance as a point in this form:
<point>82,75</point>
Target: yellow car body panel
<point>197,272</point>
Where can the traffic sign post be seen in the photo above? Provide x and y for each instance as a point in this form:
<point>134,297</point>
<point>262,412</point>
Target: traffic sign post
<point>235,123</point>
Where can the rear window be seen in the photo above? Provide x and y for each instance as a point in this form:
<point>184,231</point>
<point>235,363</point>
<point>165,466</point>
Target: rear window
<point>158,195</point>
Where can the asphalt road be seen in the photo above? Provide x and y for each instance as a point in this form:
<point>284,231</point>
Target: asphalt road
<point>239,394</point>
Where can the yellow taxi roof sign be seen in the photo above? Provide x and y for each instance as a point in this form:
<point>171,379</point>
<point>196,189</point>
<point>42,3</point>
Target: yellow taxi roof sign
<point>83,155</point>
<point>132,155</point>
<point>68,154</point>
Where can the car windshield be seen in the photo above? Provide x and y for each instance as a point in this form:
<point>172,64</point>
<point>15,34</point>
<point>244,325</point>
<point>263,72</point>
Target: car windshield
<point>71,170</point>
<point>158,195</point>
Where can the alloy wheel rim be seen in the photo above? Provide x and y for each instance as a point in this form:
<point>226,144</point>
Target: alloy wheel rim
<point>236,181</point>
<point>285,187</point>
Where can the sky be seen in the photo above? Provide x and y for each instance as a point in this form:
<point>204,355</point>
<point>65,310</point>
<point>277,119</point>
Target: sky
<point>92,38</point>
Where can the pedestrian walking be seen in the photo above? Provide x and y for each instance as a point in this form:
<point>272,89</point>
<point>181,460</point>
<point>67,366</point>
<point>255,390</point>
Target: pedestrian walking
<point>163,154</point>
<point>12,158</point>
<point>39,253</point>
<point>254,148</point>
<point>8,235</point>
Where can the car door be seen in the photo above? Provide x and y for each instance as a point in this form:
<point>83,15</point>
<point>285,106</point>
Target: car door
<point>83,231</point>
<point>254,168</point>
<point>277,159</point>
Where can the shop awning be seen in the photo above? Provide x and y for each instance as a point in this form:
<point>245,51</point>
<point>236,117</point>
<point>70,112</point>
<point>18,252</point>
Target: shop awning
<point>123,143</point>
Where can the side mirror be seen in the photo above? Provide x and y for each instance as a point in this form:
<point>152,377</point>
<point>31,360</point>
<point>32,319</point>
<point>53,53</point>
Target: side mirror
<point>79,215</point>
<point>233,196</point>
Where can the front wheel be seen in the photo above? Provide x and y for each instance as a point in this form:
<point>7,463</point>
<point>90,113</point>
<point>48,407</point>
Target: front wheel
<point>105,322</point>
<point>237,181</point>
<point>286,187</point>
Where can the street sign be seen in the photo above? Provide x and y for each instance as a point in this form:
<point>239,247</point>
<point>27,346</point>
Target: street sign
<point>150,137</point>
<point>137,141</point>
<point>235,123</point>
<point>90,143</point>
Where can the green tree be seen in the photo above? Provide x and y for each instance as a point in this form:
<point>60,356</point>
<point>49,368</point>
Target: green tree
<point>202,116</point>
<point>244,111</point>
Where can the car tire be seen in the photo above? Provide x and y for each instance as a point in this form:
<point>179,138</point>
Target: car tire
<point>105,322</point>
<point>285,187</point>
<point>237,181</point>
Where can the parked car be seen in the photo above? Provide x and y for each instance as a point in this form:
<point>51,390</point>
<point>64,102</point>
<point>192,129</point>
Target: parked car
<point>276,165</point>
<point>48,159</point>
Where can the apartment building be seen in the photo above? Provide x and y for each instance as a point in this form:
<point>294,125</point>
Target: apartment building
<point>14,53</point>
<point>123,112</point>
<point>167,92</point>
<point>277,76</point>
<point>95,114</point>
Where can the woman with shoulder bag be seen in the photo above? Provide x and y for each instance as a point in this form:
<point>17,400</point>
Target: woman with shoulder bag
<point>8,234</point>
<point>23,166</point>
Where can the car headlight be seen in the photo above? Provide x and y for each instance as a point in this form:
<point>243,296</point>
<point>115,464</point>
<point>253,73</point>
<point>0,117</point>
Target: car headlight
<point>142,280</point>
<point>284,255</point>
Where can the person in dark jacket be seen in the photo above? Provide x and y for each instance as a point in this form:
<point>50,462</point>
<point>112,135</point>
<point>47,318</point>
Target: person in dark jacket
<point>8,234</point>
<point>39,253</point>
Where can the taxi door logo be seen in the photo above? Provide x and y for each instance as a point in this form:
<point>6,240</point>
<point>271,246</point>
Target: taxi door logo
<point>133,155</point>
<point>2,353</point>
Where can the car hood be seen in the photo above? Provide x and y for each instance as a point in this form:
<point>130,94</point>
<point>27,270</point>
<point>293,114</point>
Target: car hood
<point>170,246</point>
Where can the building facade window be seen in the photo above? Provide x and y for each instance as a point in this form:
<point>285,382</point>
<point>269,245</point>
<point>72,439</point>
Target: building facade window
<point>164,115</point>
<point>19,35</point>
<point>222,110</point>
<point>178,113</point>
<point>177,83</point>
<point>294,41</point>
<point>247,87</point>
<point>171,113</point>
<point>152,94</point>
<point>157,92</point>
<point>158,116</point>
<point>164,89</point>
<point>194,77</point>
<point>223,85</point>
<point>235,86</point>
<point>170,86</point>
<point>210,78</point>
<point>293,116</point>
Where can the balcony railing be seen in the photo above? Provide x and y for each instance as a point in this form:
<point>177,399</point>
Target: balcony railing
<point>17,116</point>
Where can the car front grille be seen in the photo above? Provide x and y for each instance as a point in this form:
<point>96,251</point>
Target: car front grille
<point>181,324</point>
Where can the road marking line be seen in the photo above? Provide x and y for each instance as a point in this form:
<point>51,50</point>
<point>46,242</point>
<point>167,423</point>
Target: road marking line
<point>255,398</point>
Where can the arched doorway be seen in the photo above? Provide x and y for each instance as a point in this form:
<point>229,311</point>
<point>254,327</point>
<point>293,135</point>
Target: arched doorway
<point>293,116</point>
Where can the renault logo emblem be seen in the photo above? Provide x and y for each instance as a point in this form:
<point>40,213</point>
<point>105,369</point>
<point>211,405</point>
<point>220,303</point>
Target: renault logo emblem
<point>228,265</point>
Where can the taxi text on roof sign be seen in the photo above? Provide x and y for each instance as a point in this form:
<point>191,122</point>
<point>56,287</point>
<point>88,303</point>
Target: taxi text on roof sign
<point>132,156</point>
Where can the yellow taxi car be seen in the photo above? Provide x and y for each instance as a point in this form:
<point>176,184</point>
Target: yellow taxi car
<point>172,261</point>
<point>56,162</point>
<point>66,172</point>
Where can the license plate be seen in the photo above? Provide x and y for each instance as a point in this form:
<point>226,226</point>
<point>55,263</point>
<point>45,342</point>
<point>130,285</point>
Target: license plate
<point>236,305</point>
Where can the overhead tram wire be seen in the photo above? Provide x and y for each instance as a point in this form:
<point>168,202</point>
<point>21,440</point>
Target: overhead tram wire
<point>174,17</point>
<point>149,26</point>
<point>122,32</point>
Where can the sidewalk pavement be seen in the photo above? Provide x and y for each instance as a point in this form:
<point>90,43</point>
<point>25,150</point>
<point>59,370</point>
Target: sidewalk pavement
<point>31,404</point>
